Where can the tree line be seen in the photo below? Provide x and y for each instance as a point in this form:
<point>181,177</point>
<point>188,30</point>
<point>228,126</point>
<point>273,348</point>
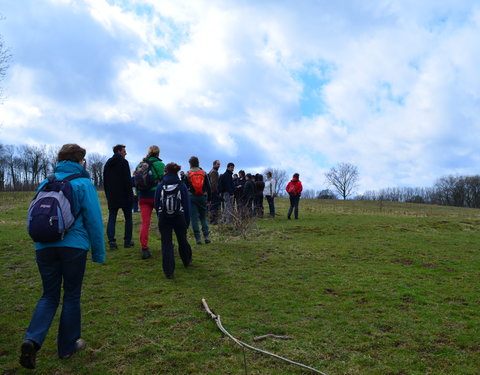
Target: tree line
<point>459,191</point>
<point>23,167</point>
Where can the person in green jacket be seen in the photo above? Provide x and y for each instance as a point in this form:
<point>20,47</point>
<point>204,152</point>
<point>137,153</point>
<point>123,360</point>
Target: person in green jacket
<point>146,197</point>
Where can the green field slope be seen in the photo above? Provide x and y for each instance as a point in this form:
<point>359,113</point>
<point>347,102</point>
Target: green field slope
<point>361,288</point>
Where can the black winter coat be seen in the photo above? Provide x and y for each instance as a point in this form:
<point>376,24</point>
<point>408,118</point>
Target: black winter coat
<point>117,182</point>
<point>225,185</point>
<point>248,190</point>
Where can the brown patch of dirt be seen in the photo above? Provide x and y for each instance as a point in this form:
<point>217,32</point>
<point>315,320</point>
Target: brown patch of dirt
<point>430,265</point>
<point>332,292</point>
<point>405,262</point>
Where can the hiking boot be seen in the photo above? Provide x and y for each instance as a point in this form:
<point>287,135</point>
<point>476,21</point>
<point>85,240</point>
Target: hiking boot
<point>128,244</point>
<point>199,241</point>
<point>28,354</point>
<point>146,253</point>
<point>80,344</point>
<point>207,240</point>
<point>113,245</point>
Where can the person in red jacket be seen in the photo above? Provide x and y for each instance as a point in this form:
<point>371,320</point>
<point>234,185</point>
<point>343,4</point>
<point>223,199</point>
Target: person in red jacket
<point>294,190</point>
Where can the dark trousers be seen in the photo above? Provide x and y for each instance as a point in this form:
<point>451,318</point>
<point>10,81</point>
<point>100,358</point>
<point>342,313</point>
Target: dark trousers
<point>57,265</point>
<point>258,205</point>
<point>271,205</point>
<point>112,220</point>
<point>294,201</point>
<point>214,208</point>
<point>166,226</point>
<point>135,203</point>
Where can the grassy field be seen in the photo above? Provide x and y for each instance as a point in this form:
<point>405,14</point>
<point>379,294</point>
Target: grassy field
<point>361,287</point>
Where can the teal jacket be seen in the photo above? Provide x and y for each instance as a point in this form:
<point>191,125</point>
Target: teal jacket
<point>158,170</point>
<point>87,230</point>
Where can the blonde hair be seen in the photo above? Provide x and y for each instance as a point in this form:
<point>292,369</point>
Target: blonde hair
<point>153,151</point>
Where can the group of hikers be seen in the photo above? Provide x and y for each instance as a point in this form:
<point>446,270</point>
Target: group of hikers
<point>69,200</point>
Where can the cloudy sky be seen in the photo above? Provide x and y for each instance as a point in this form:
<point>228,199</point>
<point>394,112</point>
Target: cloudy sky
<point>391,86</point>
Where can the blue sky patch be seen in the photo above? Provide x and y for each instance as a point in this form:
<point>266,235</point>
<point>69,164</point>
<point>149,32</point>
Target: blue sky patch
<point>313,77</point>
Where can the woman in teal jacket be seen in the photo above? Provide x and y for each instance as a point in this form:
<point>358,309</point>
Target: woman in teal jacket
<point>64,262</point>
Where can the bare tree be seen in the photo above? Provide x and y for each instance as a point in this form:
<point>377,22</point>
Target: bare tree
<point>12,164</point>
<point>32,159</point>
<point>280,177</point>
<point>3,167</point>
<point>309,194</point>
<point>5,57</point>
<point>343,177</point>
<point>95,165</point>
<point>49,160</point>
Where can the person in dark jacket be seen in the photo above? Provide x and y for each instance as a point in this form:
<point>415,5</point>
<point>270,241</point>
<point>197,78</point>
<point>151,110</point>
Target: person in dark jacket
<point>294,189</point>
<point>64,261</point>
<point>178,222</point>
<point>248,195</point>
<point>227,188</point>
<point>118,189</point>
<point>239,185</point>
<point>258,200</point>
<point>215,203</point>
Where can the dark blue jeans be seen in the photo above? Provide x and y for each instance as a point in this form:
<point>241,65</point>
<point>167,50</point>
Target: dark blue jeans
<point>271,204</point>
<point>199,212</point>
<point>294,201</point>
<point>166,225</point>
<point>57,265</point>
<point>112,220</point>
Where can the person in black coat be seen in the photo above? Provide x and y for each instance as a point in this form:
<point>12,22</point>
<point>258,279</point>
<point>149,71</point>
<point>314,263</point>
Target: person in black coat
<point>258,200</point>
<point>248,195</point>
<point>118,189</point>
<point>239,185</point>
<point>227,188</point>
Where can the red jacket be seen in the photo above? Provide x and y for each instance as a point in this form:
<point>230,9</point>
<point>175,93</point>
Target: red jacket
<point>294,187</point>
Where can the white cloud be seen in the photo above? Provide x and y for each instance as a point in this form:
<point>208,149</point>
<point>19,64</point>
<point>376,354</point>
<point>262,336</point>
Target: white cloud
<point>400,97</point>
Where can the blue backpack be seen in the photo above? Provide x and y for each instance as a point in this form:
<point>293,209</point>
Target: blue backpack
<point>51,214</point>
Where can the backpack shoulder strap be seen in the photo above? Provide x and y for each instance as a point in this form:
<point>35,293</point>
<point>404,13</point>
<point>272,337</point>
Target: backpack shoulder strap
<point>71,177</point>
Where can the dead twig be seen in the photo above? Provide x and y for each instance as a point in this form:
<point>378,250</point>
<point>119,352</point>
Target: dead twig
<point>271,335</point>
<point>217,320</point>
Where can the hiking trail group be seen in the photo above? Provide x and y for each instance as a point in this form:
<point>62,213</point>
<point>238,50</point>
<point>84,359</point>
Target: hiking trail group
<point>65,221</point>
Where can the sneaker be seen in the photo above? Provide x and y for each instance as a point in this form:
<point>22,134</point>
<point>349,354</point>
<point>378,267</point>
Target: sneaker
<point>80,344</point>
<point>199,241</point>
<point>146,253</point>
<point>207,240</point>
<point>113,245</point>
<point>128,244</point>
<point>28,354</point>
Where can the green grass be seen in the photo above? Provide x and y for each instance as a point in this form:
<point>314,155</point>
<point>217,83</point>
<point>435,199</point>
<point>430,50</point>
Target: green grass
<point>362,288</point>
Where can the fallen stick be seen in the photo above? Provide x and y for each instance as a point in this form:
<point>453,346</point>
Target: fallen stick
<point>217,320</point>
<point>271,335</point>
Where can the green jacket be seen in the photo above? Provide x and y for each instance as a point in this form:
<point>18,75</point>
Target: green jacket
<point>158,170</point>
